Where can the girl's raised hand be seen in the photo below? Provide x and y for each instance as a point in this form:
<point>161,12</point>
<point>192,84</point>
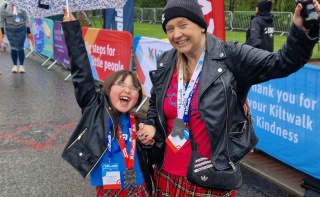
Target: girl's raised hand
<point>67,18</point>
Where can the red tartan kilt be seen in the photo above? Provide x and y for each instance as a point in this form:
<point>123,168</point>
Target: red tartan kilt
<point>167,184</point>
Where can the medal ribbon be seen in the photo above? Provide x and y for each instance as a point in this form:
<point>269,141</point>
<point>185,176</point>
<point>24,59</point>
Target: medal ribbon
<point>129,159</point>
<point>185,93</point>
<point>13,9</point>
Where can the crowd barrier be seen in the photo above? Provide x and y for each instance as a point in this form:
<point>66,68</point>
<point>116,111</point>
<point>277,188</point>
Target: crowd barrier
<point>236,20</point>
<point>108,50</point>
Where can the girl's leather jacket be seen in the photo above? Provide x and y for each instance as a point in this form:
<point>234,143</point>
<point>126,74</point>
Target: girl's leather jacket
<point>220,88</point>
<point>87,144</point>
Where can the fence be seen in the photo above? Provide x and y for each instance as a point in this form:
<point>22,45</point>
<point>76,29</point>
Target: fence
<point>237,20</point>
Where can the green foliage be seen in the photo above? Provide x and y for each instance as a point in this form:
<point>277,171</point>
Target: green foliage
<point>150,3</point>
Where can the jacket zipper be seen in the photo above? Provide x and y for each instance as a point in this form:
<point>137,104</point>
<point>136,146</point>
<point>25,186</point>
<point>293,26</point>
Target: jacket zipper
<point>244,125</point>
<point>161,107</point>
<point>227,111</point>
<point>233,91</point>
<point>78,138</point>
<point>104,149</point>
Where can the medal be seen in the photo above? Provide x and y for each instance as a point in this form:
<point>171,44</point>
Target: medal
<point>17,19</point>
<point>178,128</point>
<point>130,178</point>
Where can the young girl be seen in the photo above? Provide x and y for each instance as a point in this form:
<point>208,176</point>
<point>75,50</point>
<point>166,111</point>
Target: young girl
<point>104,144</point>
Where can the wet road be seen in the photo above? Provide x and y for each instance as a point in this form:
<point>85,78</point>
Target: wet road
<point>38,113</point>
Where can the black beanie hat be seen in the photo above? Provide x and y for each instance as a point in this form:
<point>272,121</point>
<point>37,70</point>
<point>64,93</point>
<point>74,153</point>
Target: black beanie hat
<point>189,9</point>
<point>264,5</point>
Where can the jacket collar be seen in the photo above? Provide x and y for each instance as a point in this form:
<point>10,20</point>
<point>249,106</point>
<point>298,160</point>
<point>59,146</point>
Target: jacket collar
<point>214,48</point>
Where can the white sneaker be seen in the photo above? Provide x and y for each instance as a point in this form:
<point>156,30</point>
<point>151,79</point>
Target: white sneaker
<point>14,69</point>
<point>21,69</point>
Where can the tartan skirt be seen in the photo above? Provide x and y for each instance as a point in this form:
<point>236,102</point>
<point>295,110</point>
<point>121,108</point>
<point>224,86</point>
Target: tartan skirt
<point>140,191</point>
<point>178,186</point>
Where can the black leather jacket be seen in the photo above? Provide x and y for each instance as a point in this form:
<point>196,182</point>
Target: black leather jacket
<point>218,89</point>
<point>87,144</point>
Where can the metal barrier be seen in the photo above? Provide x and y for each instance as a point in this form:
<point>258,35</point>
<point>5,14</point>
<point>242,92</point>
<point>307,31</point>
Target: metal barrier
<point>228,18</point>
<point>241,20</point>
<point>138,14</point>
<point>282,21</point>
<point>149,15</point>
<point>237,20</point>
<point>159,15</point>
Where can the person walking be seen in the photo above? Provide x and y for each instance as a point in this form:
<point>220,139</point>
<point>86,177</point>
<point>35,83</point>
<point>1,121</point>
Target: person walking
<point>104,143</point>
<point>260,34</point>
<point>198,96</point>
<point>14,24</point>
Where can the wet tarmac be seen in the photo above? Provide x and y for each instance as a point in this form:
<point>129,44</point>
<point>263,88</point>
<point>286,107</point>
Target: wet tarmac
<point>38,113</point>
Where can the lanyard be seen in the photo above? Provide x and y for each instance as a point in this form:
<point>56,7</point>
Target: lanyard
<point>13,9</point>
<point>185,93</point>
<point>129,159</point>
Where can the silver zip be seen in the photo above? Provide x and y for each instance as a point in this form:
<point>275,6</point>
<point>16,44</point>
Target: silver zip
<point>104,149</point>
<point>227,112</point>
<point>233,91</point>
<point>78,138</point>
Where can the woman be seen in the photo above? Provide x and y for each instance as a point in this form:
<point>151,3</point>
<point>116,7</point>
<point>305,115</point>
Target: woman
<point>14,23</point>
<point>195,91</point>
<point>104,143</point>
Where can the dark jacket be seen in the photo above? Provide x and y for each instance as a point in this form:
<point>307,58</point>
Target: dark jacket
<point>87,144</point>
<point>218,89</point>
<point>260,34</point>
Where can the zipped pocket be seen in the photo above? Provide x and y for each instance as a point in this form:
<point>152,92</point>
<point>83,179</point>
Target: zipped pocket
<point>238,128</point>
<point>78,138</point>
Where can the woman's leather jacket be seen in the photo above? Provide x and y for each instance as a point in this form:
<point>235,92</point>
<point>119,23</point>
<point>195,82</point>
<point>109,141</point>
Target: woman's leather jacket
<point>220,89</point>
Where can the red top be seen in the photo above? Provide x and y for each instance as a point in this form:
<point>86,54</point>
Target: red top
<point>177,163</point>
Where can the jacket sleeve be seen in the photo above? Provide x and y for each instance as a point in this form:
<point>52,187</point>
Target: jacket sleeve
<point>256,66</point>
<point>82,77</point>
<point>254,34</point>
<point>2,13</point>
<point>155,153</point>
<point>152,117</point>
<point>27,23</point>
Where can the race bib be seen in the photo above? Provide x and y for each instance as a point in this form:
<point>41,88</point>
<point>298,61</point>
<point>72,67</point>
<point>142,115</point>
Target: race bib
<point>111,176</point>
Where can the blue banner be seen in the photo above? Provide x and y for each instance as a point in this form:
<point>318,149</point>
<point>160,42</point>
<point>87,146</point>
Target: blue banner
<point>287,113</point>
<point>120,19</point>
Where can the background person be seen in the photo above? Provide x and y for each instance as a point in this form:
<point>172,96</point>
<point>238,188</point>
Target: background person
<point>195,91</point>
<point>14,23</point>
<point>104,143</point>
<point>260,34</point>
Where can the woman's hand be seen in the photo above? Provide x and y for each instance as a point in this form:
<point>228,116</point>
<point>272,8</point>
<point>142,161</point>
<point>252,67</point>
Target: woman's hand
<point>146,133</point>
<point>67,18</point>
<point>298,19</point>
